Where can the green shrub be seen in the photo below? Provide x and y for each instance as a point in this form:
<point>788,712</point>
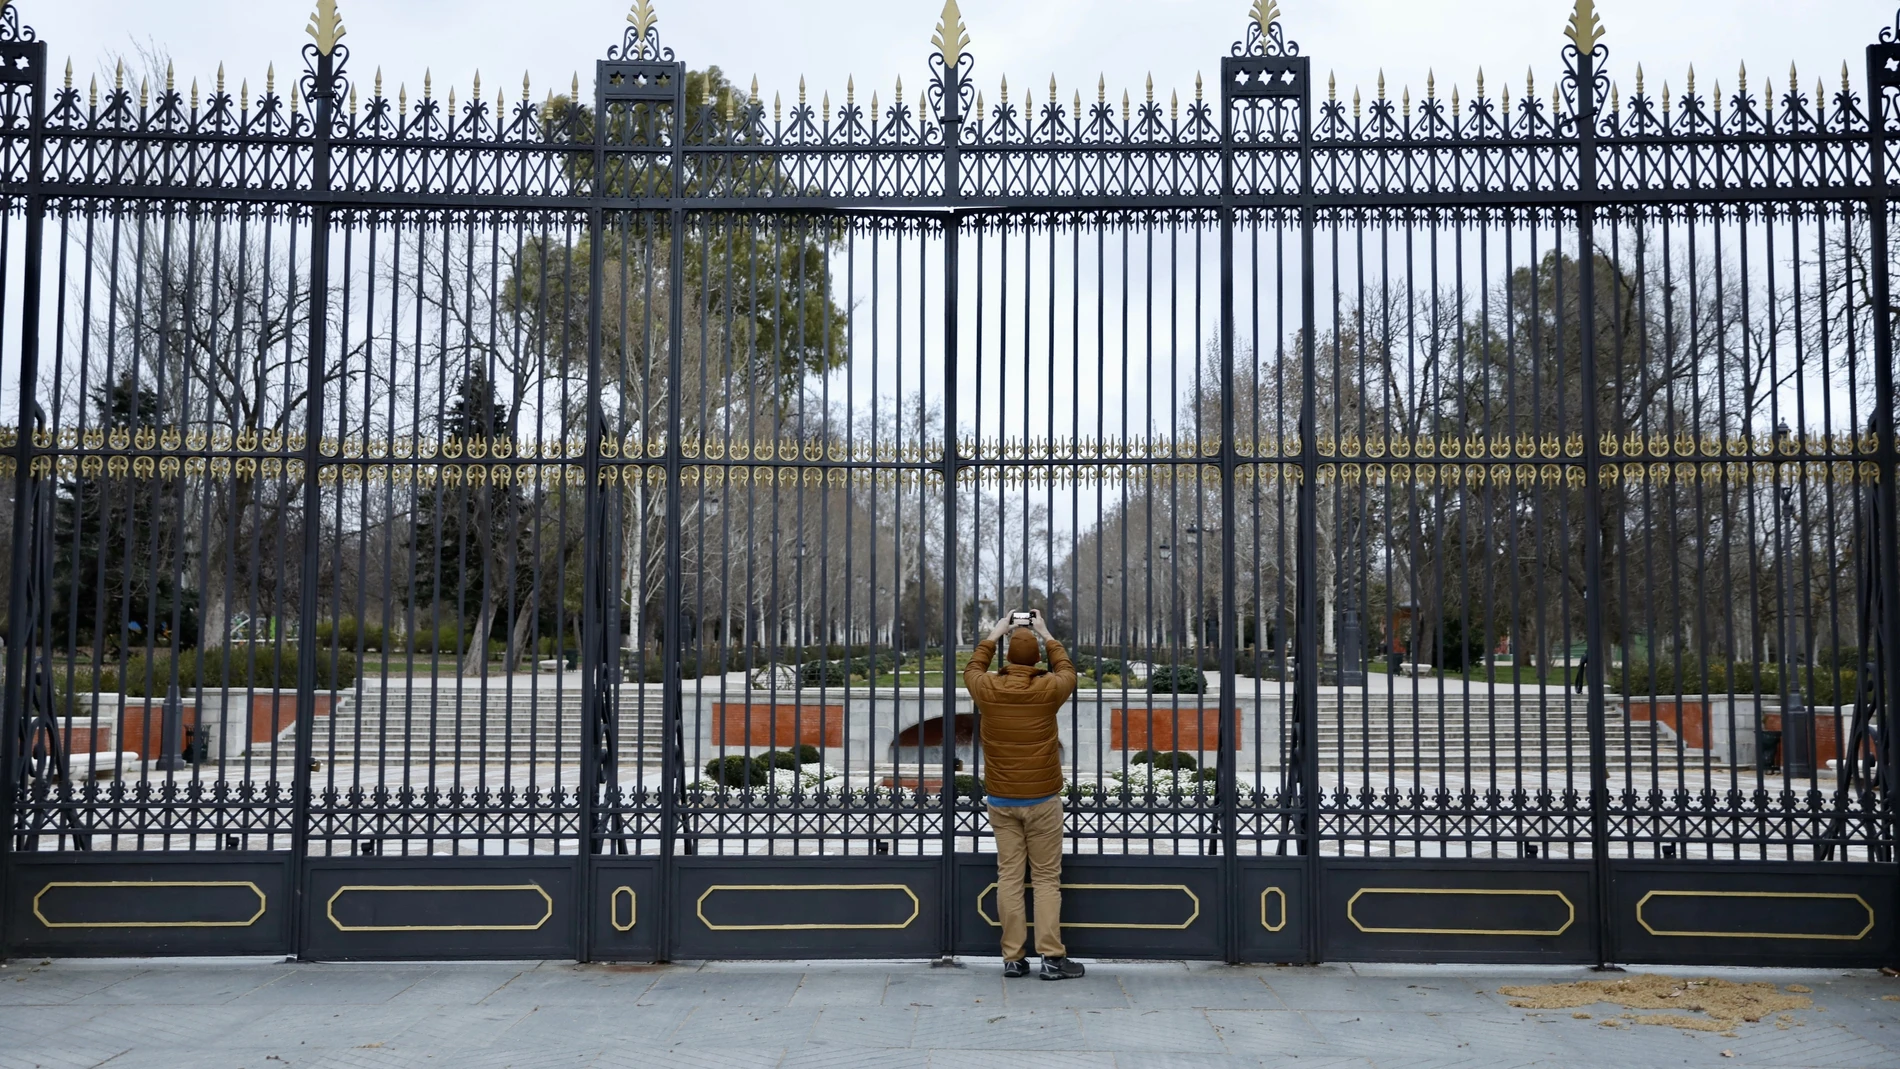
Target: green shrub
<point>446,639</point>
<point>1207,775</point>
<point>350,635</point>
<point>737,770</point>
<point>1177,679</point>
<point>249,665</point>
<point>1687,675</point>
<point>824,674</point>
<point>968,786</point>
<point>1169,759</point>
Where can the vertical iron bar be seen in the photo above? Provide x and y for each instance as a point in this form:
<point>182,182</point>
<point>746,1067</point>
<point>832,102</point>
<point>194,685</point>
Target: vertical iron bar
<point>1887,553</point>
<point>952,180</point>
<point>1595,651</point>
<point>1227,744</point>
<point>594,707</point>
<point>671,649</point>
<point>1307,586</point>
<point>25,551</point>
<point>324,88</point>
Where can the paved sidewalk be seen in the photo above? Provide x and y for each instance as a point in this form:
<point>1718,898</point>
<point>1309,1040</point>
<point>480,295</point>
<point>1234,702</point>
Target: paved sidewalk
<point>249,1014</point>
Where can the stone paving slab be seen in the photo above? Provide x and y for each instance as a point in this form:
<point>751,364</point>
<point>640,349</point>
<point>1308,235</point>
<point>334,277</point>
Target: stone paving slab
<point>267,1014</point>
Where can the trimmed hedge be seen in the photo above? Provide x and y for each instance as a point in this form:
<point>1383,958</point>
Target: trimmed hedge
<point>1819,686</point>
<point>1169,759</point>
<point>738,770</point>
<point>248,665</point>
<point>1177,679</point>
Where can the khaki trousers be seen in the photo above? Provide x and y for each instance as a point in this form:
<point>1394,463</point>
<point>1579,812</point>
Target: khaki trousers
<point>1032,832</point>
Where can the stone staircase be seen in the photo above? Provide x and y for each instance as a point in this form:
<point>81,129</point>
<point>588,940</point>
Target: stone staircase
<point>444,724</point>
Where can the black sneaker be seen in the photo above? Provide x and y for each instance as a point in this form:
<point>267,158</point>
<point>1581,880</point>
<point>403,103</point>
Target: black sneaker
<point>1015,969</point>
<point>1060,969</point>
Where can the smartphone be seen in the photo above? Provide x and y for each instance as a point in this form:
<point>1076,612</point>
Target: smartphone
<point>1022,618</point>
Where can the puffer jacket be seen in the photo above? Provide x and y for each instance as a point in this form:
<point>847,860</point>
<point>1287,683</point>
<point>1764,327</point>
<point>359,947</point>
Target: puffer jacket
<point>1022,752</point>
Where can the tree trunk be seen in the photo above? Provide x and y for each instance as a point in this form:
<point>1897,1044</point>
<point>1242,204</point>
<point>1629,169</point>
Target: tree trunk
<point>475,658</point>
<point>517,639</point>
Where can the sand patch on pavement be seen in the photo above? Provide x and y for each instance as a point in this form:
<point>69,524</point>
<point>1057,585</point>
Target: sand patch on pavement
<point>1722,1004</point>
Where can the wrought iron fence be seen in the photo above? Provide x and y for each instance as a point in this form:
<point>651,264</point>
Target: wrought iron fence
<point>1457,506</point>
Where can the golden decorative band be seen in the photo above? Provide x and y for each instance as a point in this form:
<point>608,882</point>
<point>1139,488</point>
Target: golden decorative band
<point>1193,899</point>
<point>145,885</point>
<point>1790,896</point>
<point>916,907</point>
<point>547,912</point>
<point>1353,902</point>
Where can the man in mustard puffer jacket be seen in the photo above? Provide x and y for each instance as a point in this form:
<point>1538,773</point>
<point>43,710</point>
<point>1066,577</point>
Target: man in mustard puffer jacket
<point>1022,776</point>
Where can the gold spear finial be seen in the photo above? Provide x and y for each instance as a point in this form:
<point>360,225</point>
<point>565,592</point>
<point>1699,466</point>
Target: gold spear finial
<point>1197,86</point>
<point>352,98</point>
<point>1405,95</point>
<point>118,77</point>
<point>1431,84</point>
<point>1530,84</point>
<point>755,90</point>
<point>1002,90</point>
<point>1078,109</point>
<point>1101,87</point>
<point>428,83</point>
<point>1332,86</point>
<point>1585,28</point>
<point>1355,103</point>
<point>900,90</point>
<point>1665,96</point>
<point>244,93</point>
<point>1052,90</point>
<point>524,85</point>
<point>477,93</point>
<point>824,106</point>
<point>952,36</point>
<point>1639,79</point>
<point>801,90</point>
<point>69,72</point>
<point>1151,87</point>
<point>1794,80</point>
<point>1174,105</point>
<point>402,99</point>
<point>574,87</point>
<point>145,93</point>
<point>874,108</point>
<point>326,27</point>
<point>1480,83</point>
<point>1843,76</point>
<point>1124,105</point>
<point>1381,83</point>
<point>194,94</point>
<point>777,109</point>
<point>980,109</point>
<point>169,79</point>
<point>95,92</point>
<point>850,91</point>
<point>643,19</point>
<point>270,79</point>
<point>220,79</point>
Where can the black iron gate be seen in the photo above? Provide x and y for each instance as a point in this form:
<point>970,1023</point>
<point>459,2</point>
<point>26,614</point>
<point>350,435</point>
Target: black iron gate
<point>554,525</point>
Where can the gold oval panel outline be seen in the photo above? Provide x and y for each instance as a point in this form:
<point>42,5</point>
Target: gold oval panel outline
<point>613,909</point>
<point>262,904</point>
<point>1181,887</point>
<point>1488,891</point>
<point>1263,909</point>
<point>1832,896</point>
<point>916,906</point>
<point>547,913</point>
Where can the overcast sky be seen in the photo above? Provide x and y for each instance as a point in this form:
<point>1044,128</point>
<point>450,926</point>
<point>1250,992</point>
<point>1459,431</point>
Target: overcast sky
<point>879,40</point>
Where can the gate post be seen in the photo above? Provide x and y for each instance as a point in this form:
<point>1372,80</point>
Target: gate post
<point>1883,74</point>
<point>1583,53</point>
<point>17,42</point>
<point>322,84</point>
<point>948,85</point>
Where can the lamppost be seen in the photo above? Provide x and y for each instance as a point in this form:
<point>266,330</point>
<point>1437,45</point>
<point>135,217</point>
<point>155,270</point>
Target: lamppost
<point>1797,735</point>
